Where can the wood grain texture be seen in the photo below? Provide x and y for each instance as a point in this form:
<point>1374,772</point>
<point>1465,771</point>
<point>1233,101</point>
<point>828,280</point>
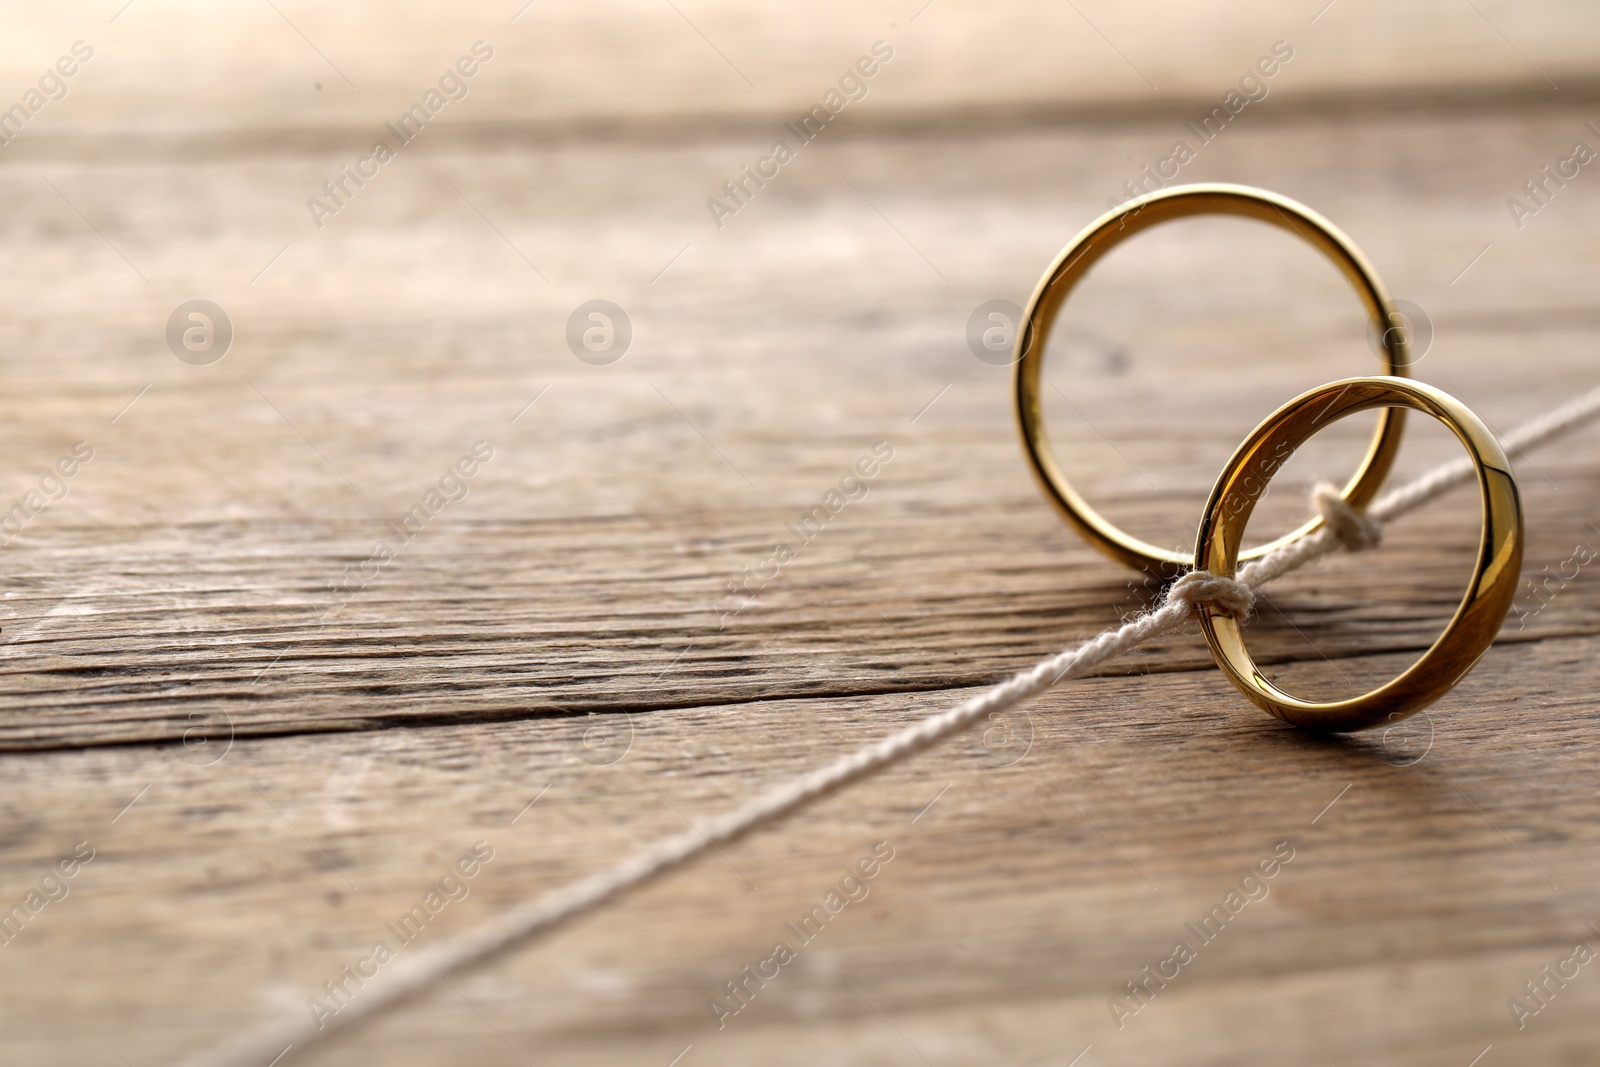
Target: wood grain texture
<point>1018,900</point>
<point>268,777</point>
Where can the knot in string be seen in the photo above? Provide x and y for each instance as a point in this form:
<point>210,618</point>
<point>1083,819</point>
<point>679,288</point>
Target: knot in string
<point>560,905</point>
<point>1203,589</point>
<point>1355,531</point>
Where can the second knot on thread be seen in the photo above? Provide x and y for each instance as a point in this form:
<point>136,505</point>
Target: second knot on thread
<point>1204,589</point>
<point>1355,531</point>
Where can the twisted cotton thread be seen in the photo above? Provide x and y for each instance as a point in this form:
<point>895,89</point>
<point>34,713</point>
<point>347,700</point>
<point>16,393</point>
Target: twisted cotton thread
<point>1342,527</point>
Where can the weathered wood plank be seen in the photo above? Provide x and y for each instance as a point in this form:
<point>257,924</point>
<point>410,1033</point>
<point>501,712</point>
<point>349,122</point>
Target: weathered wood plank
<point>583,570</point>
<point>1047,882</point>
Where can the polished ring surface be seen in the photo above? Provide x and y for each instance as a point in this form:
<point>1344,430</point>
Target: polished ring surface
<point>1100,237</point>
<point>1477,619</point>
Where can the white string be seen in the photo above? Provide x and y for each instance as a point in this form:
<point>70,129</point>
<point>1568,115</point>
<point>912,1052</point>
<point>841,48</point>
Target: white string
<point>419,970</point>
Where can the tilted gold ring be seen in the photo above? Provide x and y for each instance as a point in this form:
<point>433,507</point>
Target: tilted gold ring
<point>1483,608</point>
<point>1104,234</point>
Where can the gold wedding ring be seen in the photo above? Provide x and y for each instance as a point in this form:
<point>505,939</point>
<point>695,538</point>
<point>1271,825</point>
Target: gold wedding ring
<point>1482,610</point>
<point>1104,234</point>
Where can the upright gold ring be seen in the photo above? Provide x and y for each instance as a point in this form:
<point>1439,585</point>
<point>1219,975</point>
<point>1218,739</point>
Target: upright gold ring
<point>1482,609</point>
<point>1104,234</point>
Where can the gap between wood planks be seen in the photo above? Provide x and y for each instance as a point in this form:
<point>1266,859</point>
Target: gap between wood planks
<point>941,122</point>
<point>379,723</point>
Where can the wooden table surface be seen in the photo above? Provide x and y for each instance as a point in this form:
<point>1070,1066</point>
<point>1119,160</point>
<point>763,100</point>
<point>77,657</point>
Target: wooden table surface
<point>258,725</point>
